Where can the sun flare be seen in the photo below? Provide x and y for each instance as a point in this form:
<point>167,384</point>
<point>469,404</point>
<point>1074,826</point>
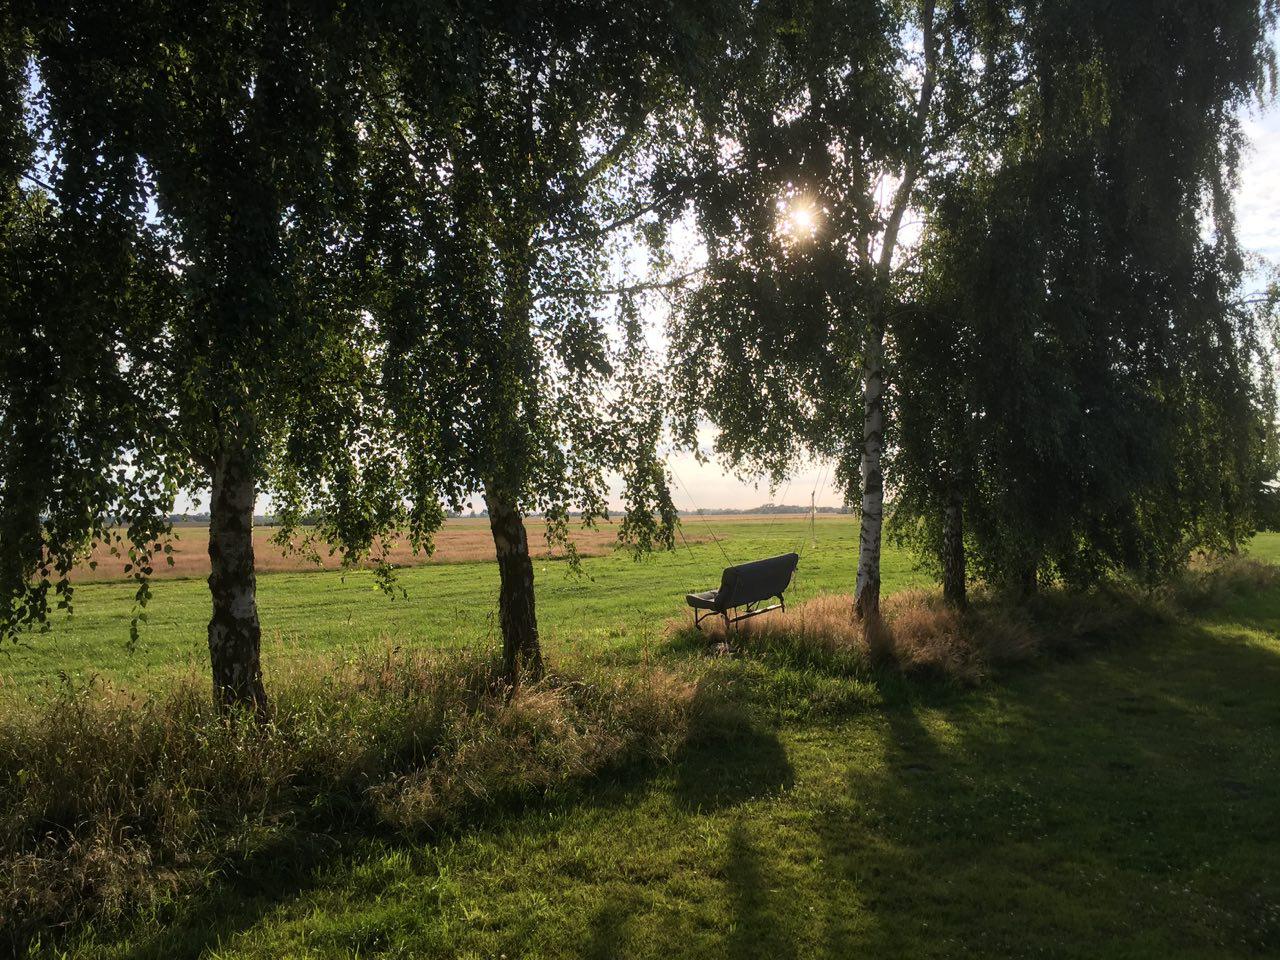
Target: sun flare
<point>801,219</point>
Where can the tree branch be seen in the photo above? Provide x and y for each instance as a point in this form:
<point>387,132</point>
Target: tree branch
<point>625,290</point>
<point>902,197</point>
<point>601,164</point>
<point>37,181</point>
<point>596,233</point>
<point>954,128</point>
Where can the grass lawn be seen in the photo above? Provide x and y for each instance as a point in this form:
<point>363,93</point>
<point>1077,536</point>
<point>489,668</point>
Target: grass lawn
<point>616,610</point>
<point>1119,804</point>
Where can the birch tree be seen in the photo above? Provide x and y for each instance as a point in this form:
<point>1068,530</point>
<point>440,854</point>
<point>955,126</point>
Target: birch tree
<point>515,360</point>
<point>224,135</point>
<point>837,118</point>
<point>1078,375</point>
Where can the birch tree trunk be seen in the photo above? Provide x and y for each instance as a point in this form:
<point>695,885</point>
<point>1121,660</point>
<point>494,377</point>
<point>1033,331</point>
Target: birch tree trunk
<point>866,602</point>
<point>954,587</point>
<point>867,590</point>
<point>235,636</point>
<point>521,652</point>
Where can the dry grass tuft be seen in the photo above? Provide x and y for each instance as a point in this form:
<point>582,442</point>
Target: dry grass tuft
<point>109,804</point>
<point>919,634</point>
<point>1212,583</point>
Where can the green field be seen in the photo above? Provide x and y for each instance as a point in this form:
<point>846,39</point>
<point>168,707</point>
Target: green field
<point>1121,803</point>
<point>617,607</point>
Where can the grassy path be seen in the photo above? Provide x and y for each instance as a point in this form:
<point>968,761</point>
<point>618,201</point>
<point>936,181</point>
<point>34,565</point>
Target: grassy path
<point>1119,805</point>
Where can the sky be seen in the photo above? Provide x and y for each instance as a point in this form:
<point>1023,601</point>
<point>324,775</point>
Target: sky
<point>709,485</point>
<point>1258,201</point>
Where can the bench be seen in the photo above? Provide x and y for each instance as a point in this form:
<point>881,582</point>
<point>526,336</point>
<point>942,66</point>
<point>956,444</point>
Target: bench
<point>746,585</point>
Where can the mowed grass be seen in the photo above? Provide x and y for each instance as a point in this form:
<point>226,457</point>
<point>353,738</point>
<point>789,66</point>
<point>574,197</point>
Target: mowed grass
<point>616,609</point>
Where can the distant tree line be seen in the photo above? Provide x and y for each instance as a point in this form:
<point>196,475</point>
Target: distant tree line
<point>363,259</point>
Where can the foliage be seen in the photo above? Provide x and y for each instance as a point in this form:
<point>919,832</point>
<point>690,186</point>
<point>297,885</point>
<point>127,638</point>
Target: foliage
<point>196,321</point>
<point>1076,366</point>
<point>816,117</point>
<point>83,403</point>
<point>498,197</point>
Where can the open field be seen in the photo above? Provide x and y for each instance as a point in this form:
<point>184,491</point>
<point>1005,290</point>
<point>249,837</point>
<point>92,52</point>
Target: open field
<point>1117,807</point>
<point>1119,802</point>
<point>462,540</point>
<point>616,610</point>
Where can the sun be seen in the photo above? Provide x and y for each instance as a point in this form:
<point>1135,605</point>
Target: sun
<point>800,219</point>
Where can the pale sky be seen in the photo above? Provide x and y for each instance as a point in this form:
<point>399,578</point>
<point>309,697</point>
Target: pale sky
<point>708,485</point>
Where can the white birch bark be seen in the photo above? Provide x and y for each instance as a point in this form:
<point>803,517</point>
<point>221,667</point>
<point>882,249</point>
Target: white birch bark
<point>235,635</point>
<point>867,585</point>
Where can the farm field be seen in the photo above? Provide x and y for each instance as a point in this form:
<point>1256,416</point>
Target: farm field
<point>617,609</point>
<point>460,540</point>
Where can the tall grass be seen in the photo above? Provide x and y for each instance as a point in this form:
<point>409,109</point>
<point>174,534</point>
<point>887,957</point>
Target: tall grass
<point>923,636</point>
<point>109,803</point>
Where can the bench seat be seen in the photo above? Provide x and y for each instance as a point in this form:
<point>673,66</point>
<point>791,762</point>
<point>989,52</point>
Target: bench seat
<point>702,601</point>
<point>745,585</point>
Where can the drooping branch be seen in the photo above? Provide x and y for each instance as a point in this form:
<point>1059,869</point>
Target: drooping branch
<point>595,233</point>
<point>618,291</point>
<point>578,187</point>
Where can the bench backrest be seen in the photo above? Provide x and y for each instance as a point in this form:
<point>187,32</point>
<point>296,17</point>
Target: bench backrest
<point>755,581</point>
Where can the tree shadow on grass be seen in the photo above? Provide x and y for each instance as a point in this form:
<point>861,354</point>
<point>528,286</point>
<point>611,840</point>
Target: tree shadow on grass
<point>240,897</point>
<point>1120,800</point>
<point>763,915</point>
<point>731,757</point>
<point>610,931</point>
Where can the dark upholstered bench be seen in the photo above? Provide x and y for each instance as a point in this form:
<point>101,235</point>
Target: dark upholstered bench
<point>745,586</point>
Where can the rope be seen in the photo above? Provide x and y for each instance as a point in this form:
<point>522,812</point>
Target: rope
<point>813,500</point>
<point>700,517</point>
<point>782,502</point>
<point>685,540</point>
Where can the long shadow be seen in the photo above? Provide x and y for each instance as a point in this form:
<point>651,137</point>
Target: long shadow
<point>729,758</point>
<point>610,932</point>
<point>757,930</point>
<point>243,895</point>
<point>1125,800</point>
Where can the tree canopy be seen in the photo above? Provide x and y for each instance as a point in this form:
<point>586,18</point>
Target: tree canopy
<point>371,261</point>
